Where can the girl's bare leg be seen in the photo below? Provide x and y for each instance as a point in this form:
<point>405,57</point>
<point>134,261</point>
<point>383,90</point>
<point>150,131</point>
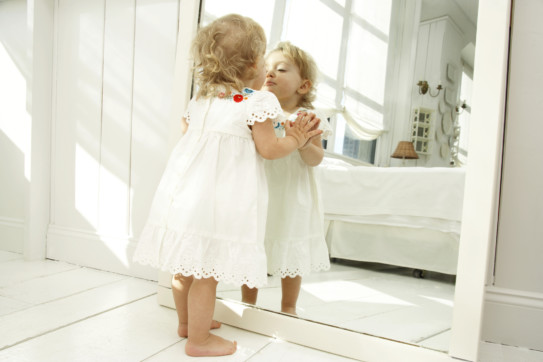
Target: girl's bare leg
<point>290,290</point>
<point>201,305</point>
<point>248,295</point>
<point>180,290</point>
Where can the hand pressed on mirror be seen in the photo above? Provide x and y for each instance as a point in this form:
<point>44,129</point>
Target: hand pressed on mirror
<point>305,129</point>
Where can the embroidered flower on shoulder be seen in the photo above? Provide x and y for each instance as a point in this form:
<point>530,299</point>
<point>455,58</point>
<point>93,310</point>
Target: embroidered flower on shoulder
<point>245,93</point>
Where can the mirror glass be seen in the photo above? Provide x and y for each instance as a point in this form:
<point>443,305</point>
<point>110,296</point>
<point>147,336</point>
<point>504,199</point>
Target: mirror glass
<point>390,71</point>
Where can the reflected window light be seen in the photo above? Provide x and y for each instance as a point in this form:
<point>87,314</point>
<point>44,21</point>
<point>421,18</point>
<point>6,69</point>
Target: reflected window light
<point>333,291</point>
<point>366,65</point>
<point>445,302</point>
<point>296,31</point>
<point>376,13</point>
<point>259,11</point>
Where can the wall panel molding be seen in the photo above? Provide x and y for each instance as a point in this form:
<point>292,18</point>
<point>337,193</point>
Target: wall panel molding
<point>92,249</point>
<point>11,234</point>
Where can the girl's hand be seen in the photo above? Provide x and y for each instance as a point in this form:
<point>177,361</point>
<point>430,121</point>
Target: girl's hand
<point>304,128</point>
<point>309,141</point>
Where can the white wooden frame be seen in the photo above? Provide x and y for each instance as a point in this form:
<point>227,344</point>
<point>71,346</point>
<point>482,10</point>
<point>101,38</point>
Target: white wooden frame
<point>480,200</point>
<point>478,226</point>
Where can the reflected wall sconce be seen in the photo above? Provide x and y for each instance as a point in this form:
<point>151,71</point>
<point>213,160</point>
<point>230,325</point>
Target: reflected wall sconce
<point>461,107</point>
<point>424,88</point>
<point>406,151</point>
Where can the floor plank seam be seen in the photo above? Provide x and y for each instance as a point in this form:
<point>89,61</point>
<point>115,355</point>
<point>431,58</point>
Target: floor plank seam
<point>75,322</point>
<point>261,349</point>
<point>33,305</point>
<point>162,350</point>
<point>432,335</point>
<point>40,276</point>
<point>108,271</point>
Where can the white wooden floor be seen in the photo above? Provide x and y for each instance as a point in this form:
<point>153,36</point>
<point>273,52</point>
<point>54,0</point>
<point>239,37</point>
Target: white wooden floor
<point>54,311</point>
<point>377,299</point>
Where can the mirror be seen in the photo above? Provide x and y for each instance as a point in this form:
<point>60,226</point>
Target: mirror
<point>478,216</point>
<point>369,87</point>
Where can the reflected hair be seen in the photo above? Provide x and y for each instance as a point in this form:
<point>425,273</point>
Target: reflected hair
<point>224,52</point>
<point>307,66</point>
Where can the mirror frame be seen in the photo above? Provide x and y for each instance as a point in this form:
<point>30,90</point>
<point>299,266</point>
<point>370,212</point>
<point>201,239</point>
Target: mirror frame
<point>479,219</point>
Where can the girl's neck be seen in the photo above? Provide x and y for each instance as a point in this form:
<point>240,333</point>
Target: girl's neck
<point>289,107</point>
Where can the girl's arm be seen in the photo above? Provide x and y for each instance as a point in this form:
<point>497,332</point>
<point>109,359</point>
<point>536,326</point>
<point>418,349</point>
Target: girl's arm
<point>271,147</point>
<point>312,152</point>
<point>184,125</point>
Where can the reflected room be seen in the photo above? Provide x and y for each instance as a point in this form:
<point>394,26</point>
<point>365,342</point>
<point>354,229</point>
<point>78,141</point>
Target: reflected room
<point>395,86</point>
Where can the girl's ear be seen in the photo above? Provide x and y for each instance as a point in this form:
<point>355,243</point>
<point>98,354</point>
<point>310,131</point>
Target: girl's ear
<point>304,87</point>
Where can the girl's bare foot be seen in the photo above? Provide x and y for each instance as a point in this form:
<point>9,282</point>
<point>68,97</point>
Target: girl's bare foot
<point>183,329</point>
<point>289,310</point>
<point>212,346</point>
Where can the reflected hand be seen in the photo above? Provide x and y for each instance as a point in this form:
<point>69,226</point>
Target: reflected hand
<point>304,128</point>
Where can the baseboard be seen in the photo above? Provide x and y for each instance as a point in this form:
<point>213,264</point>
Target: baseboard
<point>165,297</point>
<point>94,250</point>
<point>12,234</point>
<point>513,318</point>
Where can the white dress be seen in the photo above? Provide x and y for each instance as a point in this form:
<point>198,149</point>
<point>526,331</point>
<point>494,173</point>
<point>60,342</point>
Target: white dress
<point>209,212</point>
<point>295,241</point>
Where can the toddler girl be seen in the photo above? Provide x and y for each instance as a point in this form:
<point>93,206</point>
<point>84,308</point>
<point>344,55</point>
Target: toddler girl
<point>295,243</point>
<point>207,219</point>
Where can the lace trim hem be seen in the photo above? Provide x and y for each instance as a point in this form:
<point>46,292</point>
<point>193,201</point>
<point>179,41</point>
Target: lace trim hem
<point>292,273</point>
<point>202,256</point>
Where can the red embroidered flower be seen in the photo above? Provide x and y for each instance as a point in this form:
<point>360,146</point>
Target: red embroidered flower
<point>238,98</point>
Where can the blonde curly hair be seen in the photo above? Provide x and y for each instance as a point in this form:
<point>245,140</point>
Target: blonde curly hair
<point>307,66</point>
<point>224,52</point>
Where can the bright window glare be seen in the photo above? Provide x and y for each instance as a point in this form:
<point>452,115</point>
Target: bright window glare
<point>349,41</point>
<point>317,31</point>
<point>446,302</point>
<point>334,291</point>
<point>366,65</point>
<point>376,13</point>
<point>259,11</point>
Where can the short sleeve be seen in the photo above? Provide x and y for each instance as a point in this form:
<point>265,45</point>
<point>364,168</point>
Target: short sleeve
<point>262,105</point>
<point>324,125</point>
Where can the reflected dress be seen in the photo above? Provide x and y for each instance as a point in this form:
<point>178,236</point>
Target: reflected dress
<point>295,241</point>
<point>208,215</point>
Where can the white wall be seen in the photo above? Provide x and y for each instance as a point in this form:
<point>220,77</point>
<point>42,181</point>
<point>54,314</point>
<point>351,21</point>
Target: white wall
<point>111,130</point>
<point>439,47</point>
<point>449,30</point>
<point>15,75</point>
<point>513,313</point>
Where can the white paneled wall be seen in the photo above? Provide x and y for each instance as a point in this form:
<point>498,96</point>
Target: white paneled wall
<point>113,76</point>
<point>15,75</point>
